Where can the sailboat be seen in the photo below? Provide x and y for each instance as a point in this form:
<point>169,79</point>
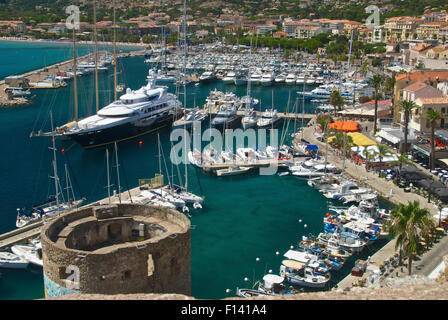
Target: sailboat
<point>53,205</point>
<point>134,114</point>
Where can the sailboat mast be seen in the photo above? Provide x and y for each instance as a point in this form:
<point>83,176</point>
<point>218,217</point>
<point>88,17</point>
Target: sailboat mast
<point>185,53</point>
<point>249,74</point>
<point>118,172</point>
<point>55,167</point>
<point>108,174</point>
<point>67,183</point>
<point>160,159</point>
<point>96,55</point>
<point>303,105</point>
<point>75,86</point>
<point>115,56</point>
<point>185,88</point>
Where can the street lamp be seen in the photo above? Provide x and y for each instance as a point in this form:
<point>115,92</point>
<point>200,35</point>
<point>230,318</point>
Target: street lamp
<point>440,214</point>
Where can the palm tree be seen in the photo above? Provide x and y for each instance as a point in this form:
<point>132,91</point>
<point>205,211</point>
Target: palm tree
<point>402,158</point>
<point>368,154</point>
<point>377,81</point>
<point>383,151</point>
<point>407,107</point>
<point>336,100</point>
<point>433,117</point>
<point>408,224</point>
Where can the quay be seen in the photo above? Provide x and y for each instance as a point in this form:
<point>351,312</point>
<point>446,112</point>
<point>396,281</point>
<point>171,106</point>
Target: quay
<point>22,235</point>
<point>386,189</point>
<point>41,73</point>
<point>253,164</point>
<point>282,115</point>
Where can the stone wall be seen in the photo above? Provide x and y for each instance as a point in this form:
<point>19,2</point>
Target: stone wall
<point>159,264</point>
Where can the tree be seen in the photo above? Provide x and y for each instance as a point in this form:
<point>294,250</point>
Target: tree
<point>407,107</point>
<point>383,151</point>
<point>323,122</point>
<point>433,117</point>
<point>336,100</point>
<point>377,81</point>
<point>402,158</point>
<point>408,224</point>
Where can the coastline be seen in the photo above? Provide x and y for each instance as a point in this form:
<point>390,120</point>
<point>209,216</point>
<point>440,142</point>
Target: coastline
<point>105,43</point>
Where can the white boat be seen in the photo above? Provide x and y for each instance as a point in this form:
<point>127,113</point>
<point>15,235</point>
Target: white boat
<point>231,171</point>
<point>268,118</point>
<point>188,197</point>
<point>190,116</point>
<point>240,79</point>
<point>272,286</point>
<point>229,78</point>
<point>347,188</point>
<point>207,76</point>
<point>30,253</point>
<point>246,154</point>
<point>281,78</point>
<point>255,78</point>
<point>298,273</point>
<point>346,242</point>
<point>12,261</point>
<point>249,120</point>
<point>290,79</point>
<point>267,79</point>
<point>169,196</point>
<point>300,79</point>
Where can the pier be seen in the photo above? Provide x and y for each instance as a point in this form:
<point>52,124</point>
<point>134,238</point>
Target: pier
<point>282,115</point>
<point>32,230</point>
<point>41,73</point>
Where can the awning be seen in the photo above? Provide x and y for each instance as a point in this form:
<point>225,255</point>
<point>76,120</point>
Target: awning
<point>346,126</point>
<point>389,137</point>
<point>421,150</point>
<point>361,140</point>
<point>445,161</point>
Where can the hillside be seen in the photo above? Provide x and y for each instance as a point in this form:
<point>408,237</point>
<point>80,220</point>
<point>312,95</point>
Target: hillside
<point>54,11</point>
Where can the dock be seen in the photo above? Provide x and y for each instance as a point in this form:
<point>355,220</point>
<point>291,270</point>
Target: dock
<point>32,230</point>
<point>253,164</point>
<point>282,115</point>
<point>41,73</point>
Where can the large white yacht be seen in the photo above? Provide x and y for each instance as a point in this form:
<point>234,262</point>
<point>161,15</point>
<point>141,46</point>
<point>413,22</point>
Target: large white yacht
<point>135,113</point>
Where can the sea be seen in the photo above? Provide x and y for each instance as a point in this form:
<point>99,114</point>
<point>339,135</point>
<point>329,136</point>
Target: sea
<point>246,224</point>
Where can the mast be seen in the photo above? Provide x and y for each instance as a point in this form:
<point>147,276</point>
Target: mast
<point>96,56</point>
<point>185,88</point>
<point>108,175</point>
<point>75,86</point>
<point>55,167</point>
<point>115,56</point>
<point>303,105</point>
<point>67,183</point>
<point>118,172</point>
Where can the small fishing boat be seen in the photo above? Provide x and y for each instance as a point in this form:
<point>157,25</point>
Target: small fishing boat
<point>231,171</point>
<point>298,273</point>
<point>272,286</point>
<point>12,261</point>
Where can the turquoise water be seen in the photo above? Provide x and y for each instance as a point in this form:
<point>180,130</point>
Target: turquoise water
<point>17,57</point>
<point>243,217</point>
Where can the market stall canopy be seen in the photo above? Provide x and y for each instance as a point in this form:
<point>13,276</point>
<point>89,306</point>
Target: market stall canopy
<point>361,140</point>
<point>346,126</point>
<point>374,150</point>
<point>394,136</point>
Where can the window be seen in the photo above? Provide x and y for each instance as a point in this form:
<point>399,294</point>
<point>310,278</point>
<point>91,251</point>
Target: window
<point>443,110</point>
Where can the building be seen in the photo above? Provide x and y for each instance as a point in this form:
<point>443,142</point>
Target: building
<point>420,123</point>
<point>401,28</point>
<point>13,26</point>
<point>265,29</point>
<point>403,80</point>
<point>430,30</point>
<point>117,249</point>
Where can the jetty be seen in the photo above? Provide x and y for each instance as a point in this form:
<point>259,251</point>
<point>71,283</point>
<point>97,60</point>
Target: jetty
<point>32,230</point>
<point>208,167</point>
<point>41,73</point>
<point>283,115</point>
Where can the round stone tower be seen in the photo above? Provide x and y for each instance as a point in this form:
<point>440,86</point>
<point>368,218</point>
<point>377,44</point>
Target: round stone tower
<point>117,249</point>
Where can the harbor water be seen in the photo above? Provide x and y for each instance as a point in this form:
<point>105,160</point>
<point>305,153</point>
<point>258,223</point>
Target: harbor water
<point>243,217</point>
